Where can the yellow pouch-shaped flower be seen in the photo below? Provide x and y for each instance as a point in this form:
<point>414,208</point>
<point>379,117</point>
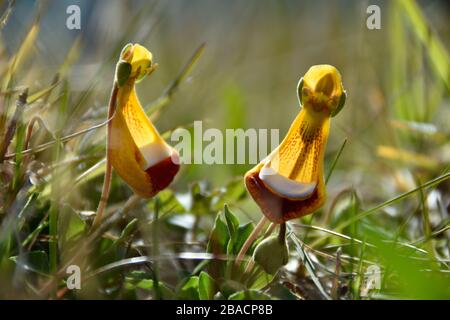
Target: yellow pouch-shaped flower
<point>136,150</point>
<point>289,182</point>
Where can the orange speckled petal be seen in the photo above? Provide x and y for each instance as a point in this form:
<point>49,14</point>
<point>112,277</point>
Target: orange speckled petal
<point>137,152</point>
<point>299,158</point>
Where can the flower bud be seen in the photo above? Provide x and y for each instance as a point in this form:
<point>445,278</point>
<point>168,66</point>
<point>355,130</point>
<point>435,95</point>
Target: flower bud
<point>271,254</point>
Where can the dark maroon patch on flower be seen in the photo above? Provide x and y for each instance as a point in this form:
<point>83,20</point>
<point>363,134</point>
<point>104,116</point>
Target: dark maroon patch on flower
<point>162,173</point>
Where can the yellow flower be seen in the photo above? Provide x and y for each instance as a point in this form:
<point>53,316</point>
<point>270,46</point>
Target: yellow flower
<point>289,183</point>
<point>136,150</point>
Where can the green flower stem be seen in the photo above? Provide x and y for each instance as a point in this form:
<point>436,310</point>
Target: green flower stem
<point>155,253</point>
<point>108,172</point>
<point>250,239</point>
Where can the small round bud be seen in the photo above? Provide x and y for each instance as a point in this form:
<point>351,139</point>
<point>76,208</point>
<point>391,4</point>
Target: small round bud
<point>271,254</point>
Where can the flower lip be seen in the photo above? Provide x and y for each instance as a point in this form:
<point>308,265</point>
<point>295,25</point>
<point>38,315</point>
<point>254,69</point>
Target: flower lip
<point>163,172</point>
<point>278,209</point>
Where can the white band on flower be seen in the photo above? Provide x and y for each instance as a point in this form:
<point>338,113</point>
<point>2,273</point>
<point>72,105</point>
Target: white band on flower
<point>285,187</point>
<point>154,153</point>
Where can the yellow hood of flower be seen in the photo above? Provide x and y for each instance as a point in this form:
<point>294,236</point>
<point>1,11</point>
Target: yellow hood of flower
<point>140,59</point>
<point>289,183</point>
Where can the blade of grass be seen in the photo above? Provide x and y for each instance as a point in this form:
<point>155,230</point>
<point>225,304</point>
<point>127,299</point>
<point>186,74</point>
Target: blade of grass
<point>433,235</point>
<point>14,122</point>
<point>402,196</point>
<point>166,97</point>
<point>64,139</point>
<point>335,161</point>
<point>309,265</point>
<point>337,269</point>
<point>21,54</point>
<point>424,32</point>
<point>41,93</point>
<point>5,16</point>
<point>155,249</point>
<point>343,236</point>
<point>426,222</point>
<point>358,285</point>
<point>56,186</point>
<point>31,238</point>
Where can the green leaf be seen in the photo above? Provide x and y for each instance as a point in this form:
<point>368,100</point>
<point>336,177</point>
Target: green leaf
<point>140,280</point>
<point>229,287</point>
<point>127,231</point>
<point>260,280</point>
<point>189,290</point>
<point>206,286</point>
<point>148,285</point>
<point>232,221</point>
<point>217,244</point>
<point>249,295</point>
<point>242,233</point>
<point>229,264</point>
<point>219,237</point>
<point>281,292</point>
